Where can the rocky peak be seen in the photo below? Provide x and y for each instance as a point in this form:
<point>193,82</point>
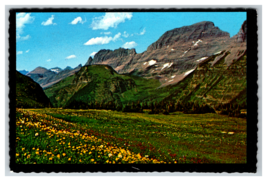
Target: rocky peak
<point>103,55</point>
<point>201,30</point>
<point>89,61</point>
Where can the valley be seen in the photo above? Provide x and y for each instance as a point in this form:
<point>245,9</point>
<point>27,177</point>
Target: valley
<point>183,100</point>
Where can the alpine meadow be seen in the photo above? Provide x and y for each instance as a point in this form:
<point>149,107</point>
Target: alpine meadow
<point>131,88</point>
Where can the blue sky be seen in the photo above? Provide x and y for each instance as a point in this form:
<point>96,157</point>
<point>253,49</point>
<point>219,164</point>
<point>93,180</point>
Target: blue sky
<point>68,39</point>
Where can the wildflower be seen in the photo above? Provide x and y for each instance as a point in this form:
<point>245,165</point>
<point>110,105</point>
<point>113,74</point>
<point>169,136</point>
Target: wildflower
<point>25,154</point>
<point>28,156</point>
<point>69,159</point>
<point>33,148</point>
<point>64,154</point>
<point>23,149</point>
<point>80,160</point>
<point>17,154</point>
<point>50,158</point>
<point>36,134</point>
<point>92,160</point>
<point>146,156</point>
<point>109,155</point>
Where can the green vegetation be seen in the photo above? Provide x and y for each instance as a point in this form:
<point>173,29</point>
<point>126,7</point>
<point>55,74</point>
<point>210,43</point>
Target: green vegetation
<point>184,138</point>
<point>29,94</point>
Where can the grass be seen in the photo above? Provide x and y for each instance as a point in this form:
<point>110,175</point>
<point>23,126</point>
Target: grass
<point>174,138</point>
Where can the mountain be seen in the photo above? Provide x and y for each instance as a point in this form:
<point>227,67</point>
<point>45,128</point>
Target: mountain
<point>29,94</point>
<point>219,79</point>
<point>211,72</point>
<point>47,77</point>
<point>99,83</point>
<point>174,53</point>
<point>23,72</point>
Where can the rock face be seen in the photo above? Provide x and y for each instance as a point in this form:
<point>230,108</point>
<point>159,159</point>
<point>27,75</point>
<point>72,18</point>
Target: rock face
<point>173,54</point>
<point>29,94</point>
<point>46,77</point>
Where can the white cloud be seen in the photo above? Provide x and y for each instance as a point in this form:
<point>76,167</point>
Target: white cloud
<point>102,40</point>
<point>48,60</point>
<point>143,32</point>
<point>77,20</point>
<point>99,41</point>
<point>71,56</point>
<point>116,36</point>
<point>21,20</point>
<point>110,20</point>
<point>106,33</point>
<point>125,34</point>
<point>49,21</point>
<point>129,44</point>
<point>27,51</point>
<point>93,54</point>
<point>20,52</point>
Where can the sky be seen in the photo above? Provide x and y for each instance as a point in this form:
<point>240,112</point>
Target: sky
<point>68,39</point>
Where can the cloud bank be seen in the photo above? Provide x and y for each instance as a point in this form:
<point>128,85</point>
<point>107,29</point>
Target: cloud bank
<point>21,20</point>
<point>102,40</point>
<point>110,20</point>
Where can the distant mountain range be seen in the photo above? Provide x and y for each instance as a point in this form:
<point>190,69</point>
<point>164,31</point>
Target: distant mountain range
<point>23,72</point>
<point>198,63</point>
<point>47,77</point>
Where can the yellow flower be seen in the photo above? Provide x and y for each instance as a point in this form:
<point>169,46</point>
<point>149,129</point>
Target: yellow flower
<point>33,148</point>
<point>25,154</point>
<point>69,159</point>
<point>64,154</point>
<point>92,160</point>
<point>17,154</point>
<point>80,160</point>
<point>50,158</point>
<point>109,155</point>
<point>23,149</point>
<point>36,134</point>
<point>28,156</point>
<point>37,153</point>
<point>58,155</point>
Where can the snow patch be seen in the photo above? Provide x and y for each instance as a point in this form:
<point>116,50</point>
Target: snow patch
<point>172,49</point>
<point>168,65</point>
<point>152,62</point>
<point>198,41</point>
<point>55,70</point>
<point>170,80</point>
<point>188,72</point>
<point>203,58</point>
<point>217,53</point>
<point>173,76</point>
<point>145,63</point>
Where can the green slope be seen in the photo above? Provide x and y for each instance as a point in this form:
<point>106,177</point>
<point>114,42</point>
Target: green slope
<point>29,94</point>
<point>100,83</point>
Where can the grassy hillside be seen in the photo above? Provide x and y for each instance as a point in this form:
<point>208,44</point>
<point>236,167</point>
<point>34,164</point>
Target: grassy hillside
<point>29,94</point>
<point>100,83</point>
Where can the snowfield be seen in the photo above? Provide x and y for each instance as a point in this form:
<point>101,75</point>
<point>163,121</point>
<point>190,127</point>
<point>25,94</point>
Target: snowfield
<point>188,72</point>
<point>203,58</point>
